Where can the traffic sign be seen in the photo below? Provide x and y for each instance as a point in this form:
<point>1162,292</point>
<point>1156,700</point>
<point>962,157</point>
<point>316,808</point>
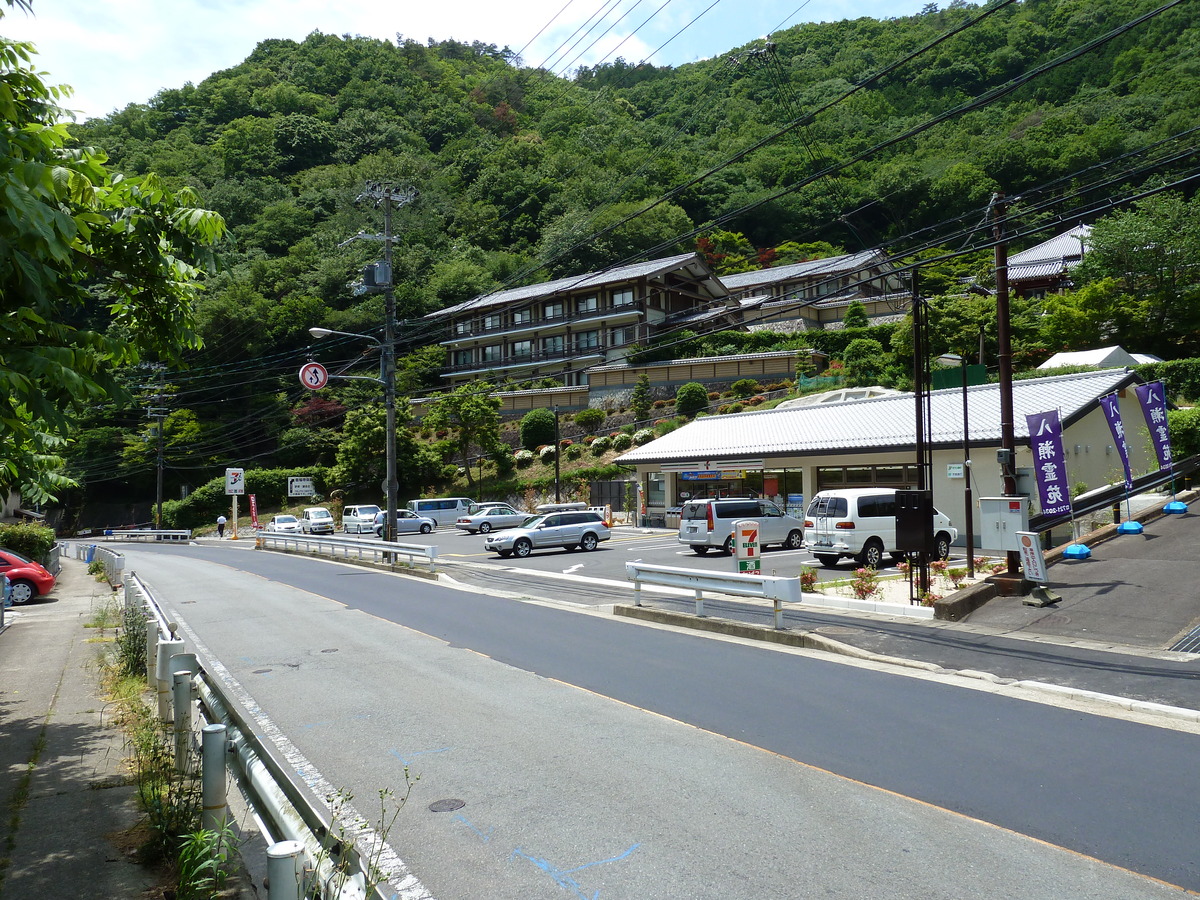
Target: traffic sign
<point>313,376</point>
<point>235,481</point>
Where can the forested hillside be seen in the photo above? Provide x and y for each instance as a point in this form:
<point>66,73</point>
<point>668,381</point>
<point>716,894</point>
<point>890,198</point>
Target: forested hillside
<point>858,134</point>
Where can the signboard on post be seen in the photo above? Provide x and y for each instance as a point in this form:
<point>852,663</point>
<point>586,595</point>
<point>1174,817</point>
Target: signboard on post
<point>1032,560</point>
<point>749,554</point>
<point>300,487</point>
<point>235,481</point>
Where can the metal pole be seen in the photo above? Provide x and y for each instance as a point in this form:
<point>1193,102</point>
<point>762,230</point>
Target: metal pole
<point>181,695</point>
<point>1008,439</point>
<point>556,448</point>
<point>920,393</point>
<point>163,670</point>
<point>213,806</point>
<point>970,512</point>
<point>285,870</point>
<point>389,371</point>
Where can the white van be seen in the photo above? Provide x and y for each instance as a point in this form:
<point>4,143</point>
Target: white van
<point>359,519</point>
<point>708,524</point>
<point>861,523</point>
<point>443,510</point>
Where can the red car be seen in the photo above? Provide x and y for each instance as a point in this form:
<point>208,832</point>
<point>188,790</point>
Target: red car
<point>29,579</point>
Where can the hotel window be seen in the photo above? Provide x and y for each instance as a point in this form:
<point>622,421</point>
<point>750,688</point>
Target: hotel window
<point>462,357</point>
<point>619,337</point>
<point>492,322</point>
<point>522,316</point>
<point>587,305</point>
<point>553,310</point>
<point>462,327</point>
<point>587,340</point>
<point>493,353</point>
<point>552,345</point>
<point>623,297</point>
<point>522,349</point>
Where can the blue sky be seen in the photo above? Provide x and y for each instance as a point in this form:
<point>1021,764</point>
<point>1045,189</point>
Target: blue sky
<point>117,52</point>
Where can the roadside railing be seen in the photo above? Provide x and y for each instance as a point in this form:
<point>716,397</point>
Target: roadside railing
<point>144,534</point>
<point>114,562</point>
<point>775,588</point>
<point>309,856</point>
<point>388,552</point>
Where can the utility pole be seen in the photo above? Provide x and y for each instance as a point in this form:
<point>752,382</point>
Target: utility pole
<point>388,195</point>
<point>1008,441</point>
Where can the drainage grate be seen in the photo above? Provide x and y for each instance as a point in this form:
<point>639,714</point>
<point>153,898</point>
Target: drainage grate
<point>1189,643</point>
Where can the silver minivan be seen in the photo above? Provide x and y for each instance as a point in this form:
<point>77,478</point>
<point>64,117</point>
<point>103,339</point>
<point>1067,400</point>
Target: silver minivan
<point>708,524</point>
<point>443,510</point>
<point>359,519</point>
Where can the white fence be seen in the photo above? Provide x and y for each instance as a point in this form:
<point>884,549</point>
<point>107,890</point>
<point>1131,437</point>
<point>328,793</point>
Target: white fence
<point>765,587</point>
<point>388,552</point>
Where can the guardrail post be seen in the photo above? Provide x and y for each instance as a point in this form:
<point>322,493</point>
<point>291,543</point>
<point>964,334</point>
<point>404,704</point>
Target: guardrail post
<point>699,603</point>
<point>778,614</point>
<point>181,694</point>
<point>285,870</point>
<point>637,591</point>
<point>151,650</point>
<point>213,807</point>
<point>166,649</point>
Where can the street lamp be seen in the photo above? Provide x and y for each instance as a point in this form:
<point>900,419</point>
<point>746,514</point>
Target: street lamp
<point>387,378</point>
<point>951,360</point>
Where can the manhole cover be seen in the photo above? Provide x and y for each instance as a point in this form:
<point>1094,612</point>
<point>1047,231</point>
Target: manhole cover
<point>446,805</point>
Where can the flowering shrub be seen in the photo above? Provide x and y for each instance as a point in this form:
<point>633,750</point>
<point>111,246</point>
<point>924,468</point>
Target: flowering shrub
<point>601,445</point>
<point>588,440</point>
<point>865,583</point>
<point>956,576</point>
<point>548,453</point>
<point>643,436</point>
<point>714,395</point>
<point>756,400</point>
<point>622,442</point>
<point>902,567</point>
<point>938,567</point>
<point>928,598</point>
<point>808,579</point>
<point>574,451</point>
<point>660,404</point>
<point>524,458</point>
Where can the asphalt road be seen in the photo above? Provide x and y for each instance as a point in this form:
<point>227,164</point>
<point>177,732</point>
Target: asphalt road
<point>721,769</point>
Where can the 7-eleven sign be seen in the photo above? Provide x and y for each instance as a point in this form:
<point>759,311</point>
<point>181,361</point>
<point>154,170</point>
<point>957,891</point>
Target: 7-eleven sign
<point>748,551</point>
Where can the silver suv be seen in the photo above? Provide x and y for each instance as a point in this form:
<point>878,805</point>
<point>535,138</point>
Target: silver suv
<point>559,529</point>
<point>708,524</point>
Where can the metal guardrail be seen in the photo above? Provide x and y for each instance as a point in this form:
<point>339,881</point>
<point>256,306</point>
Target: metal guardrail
<point>114,563</point>
<point>144,534</point>
<point>309,853</point>
<point>776,588</point>
<point>387,552</point>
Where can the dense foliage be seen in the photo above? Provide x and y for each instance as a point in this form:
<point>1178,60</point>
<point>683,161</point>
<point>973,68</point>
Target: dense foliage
<point>838,136</point>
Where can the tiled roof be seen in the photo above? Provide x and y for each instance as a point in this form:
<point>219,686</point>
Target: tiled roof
<point>808,269</point>
<point>1050,257</point>
<point>876,424</point>
<point>700,360</point>
<point>649,268</point>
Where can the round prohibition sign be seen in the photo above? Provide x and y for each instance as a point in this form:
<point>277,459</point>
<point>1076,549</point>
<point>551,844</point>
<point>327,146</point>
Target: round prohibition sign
<point>313,376</point>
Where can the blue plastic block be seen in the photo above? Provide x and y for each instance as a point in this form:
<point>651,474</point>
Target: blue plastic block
<point>1077,551</point>
<point>1175,507</point>
<point>1130,527</point>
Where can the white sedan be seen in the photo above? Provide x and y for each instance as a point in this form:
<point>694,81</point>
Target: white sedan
<point>285,524</point>
<point>489,518</point>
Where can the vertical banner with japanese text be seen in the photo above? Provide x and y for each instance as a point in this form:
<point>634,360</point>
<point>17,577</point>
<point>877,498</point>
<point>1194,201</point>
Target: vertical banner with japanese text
<point>1153,397</point>
<point>1049,462</point>
<point>1112,412</point>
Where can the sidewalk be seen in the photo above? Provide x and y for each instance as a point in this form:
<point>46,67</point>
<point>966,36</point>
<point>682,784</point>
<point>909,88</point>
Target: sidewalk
<point>67,804</point>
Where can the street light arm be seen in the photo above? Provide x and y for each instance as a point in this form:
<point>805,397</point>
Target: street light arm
<point>320,333</point>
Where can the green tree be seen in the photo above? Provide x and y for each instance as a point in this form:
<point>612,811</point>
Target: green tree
<point>690,399</point>
<point>865,359</point>
<point>856,316</point>
<point>537,428</point>
<point>95,269</point>
<point>641,401</point>
<point>471,414</point>
<point>362,451</point>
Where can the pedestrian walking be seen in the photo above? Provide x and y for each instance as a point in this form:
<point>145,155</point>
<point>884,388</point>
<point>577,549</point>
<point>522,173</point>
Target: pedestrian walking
<point>221,526</point>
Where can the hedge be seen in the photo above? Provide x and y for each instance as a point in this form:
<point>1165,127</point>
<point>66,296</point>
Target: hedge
<point>270,487</point>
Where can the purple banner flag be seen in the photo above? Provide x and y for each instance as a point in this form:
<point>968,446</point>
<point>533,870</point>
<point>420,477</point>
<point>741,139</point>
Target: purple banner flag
<point>1153,397</point>
<point>1111,405</point>
<point>1049,462</point>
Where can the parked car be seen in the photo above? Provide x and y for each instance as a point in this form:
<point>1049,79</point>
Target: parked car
<point>443,510</point>
<point>708,524</point>
<point>488,518</point>
<point>563,529</point>
<point>29,578</point>
<point>316,520</point>
<point>357,519</point>
<point>284,523</point>
<point>407,522</point>
<point>861,523</point>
